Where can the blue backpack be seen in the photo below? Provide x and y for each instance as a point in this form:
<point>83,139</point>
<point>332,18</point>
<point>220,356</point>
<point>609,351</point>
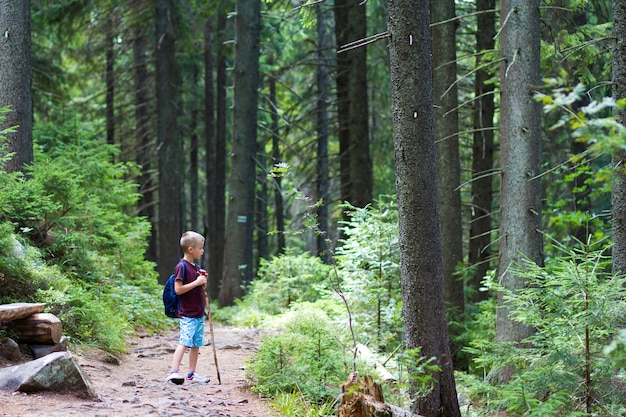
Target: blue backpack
<point>171,300</point>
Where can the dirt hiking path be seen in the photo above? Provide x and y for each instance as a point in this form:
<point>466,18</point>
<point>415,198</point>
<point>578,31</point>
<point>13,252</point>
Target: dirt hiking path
<point>137,386</point>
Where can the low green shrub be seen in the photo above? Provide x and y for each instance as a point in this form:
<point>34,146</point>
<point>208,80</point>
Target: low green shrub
<point>286,279</point>
<point>368,264</point>
<point>69,237</point>
<point>305,357</point>
<point>294,405</point>
<point>576,307</point>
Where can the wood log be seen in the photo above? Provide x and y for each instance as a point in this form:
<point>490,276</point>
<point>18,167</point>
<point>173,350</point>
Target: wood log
<point>364,398</point>
<point>18,311</point>
<point>40,329</point>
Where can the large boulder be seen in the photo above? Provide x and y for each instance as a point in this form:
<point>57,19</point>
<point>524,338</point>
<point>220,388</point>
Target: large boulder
<point>54,372</point>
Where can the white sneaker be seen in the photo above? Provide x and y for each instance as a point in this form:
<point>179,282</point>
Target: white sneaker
<point>195,378</point>
<point>176,378</point>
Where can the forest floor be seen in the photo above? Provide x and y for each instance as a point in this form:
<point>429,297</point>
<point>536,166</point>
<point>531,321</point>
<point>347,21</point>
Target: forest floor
<point>136,386</point>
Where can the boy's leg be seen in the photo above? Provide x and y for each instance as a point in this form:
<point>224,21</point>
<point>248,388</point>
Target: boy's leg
<point>174,376</point>
<point>194,352</point>
<point>178,357</point>
<point>187,330</point>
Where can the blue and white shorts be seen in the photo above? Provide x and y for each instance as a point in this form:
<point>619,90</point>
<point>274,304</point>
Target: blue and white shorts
<point>191,332</point>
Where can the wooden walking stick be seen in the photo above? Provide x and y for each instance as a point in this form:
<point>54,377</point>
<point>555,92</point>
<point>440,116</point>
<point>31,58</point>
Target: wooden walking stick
<point>208,309</point>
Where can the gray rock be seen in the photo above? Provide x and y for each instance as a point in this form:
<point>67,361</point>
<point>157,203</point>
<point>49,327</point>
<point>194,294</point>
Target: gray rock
<point>55,372</point>
<point>10,349</point>
<point>39,351</point>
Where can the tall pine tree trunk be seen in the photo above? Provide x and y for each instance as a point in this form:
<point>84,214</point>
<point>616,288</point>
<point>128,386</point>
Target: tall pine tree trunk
<point>323,87</point>
<point>279,204</point>
<point>238,261</point>
<point>446,134</point>
<point>15,80</point>
<point>211,172</point>
<point>358,112</point>
<point>109,77</point>
<point>168,145</point>
<point>520,159</point>
<point>342,78</point>
<point>481,202</point>
<point>216,163</point>
<point>423,305</point>
<point>194,149</point>
<point>145,143</point>
<point>618,193</point>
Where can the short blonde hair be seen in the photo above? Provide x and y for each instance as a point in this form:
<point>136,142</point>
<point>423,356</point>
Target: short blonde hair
<point>190,239</point>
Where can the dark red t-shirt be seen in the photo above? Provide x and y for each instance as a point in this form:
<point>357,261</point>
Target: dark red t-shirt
<point>192,303</point>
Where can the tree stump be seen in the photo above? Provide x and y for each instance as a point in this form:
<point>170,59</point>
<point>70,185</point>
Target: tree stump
<point>362,398</point>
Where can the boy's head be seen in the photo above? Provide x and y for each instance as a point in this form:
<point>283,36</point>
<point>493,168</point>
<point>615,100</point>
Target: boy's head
<point>191,240</point>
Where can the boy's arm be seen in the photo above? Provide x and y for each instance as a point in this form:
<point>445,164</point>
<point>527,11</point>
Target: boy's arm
<point>180,288</point>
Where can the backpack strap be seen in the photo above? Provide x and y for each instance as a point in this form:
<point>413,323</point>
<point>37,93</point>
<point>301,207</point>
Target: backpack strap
<point>182,263</point>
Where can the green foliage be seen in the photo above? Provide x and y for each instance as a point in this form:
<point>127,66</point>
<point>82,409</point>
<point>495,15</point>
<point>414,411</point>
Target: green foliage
<point>476,334</point>
<point>76,206</point>
<point>288,278</point>
<point>421,373</point>
<point>579,186</point>
<point>369,266</point>
<point>617,350</point>
<point>306,358</point>
<point>576,308</point>
<point>4,155</point>
<point>23,270</point>
<point>294,405</point>
<point>587,124</point>
<point>69,238</point>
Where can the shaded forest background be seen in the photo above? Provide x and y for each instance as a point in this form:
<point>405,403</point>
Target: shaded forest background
<point>139,133</point>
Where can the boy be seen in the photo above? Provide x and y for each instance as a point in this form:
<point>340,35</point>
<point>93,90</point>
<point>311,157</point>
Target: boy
<point>191,289</point>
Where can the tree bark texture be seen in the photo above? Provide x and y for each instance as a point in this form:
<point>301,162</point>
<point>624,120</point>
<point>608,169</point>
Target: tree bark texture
<point>342,77</point>
<point>210,155</point>
<point>416,186</point>
<point>168,145</point>
<point>194,150</point>
<point>358,110</point>
<point>323,100</point>
<point>143,131</point>
<point>447,148</point>
<point>520,154</point>
<point>279,204</point>
<point>238,262</point>
<point>362,398</point>
<point>109,77</point>
<point>217,163</point>
<point>581,200</point>
<point>618,193</point>
<point>481,202</point>
<point>16,79</point>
